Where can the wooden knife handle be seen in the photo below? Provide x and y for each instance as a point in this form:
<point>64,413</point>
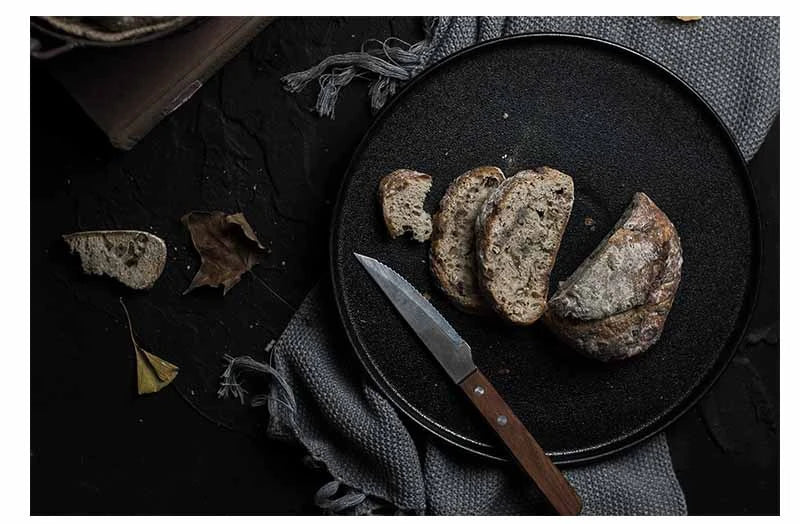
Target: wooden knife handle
<point>521,444</point>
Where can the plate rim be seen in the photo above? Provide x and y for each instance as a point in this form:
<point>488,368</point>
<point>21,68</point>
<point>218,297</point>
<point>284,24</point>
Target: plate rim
<point>580,456</point>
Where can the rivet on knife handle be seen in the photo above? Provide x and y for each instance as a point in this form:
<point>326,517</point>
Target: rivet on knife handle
<point>521,444</point>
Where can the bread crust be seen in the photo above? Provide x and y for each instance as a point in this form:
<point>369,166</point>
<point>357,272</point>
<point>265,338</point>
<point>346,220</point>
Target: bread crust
<point>486,228</point>
<point>635,303</point>
<point>135,258</point>
<point>461,288</point>
<point>396,182</point>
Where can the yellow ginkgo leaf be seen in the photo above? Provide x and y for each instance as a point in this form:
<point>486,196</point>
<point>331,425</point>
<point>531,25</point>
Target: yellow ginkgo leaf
<point>152,373</point>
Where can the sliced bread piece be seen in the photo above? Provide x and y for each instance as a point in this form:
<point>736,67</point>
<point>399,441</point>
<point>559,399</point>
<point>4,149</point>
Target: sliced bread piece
<point>615,304</point>
<point>402,196</point>
<point>517,235</point>
<point>452,251</point>
<point>135,258</point>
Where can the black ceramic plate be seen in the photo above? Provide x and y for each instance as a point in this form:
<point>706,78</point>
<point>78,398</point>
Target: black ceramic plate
<point>617,123</point>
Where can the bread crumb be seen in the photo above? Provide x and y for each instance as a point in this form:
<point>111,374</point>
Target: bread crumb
<point>588,221</point>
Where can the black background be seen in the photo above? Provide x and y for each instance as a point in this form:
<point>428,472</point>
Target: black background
<point>242,144</point>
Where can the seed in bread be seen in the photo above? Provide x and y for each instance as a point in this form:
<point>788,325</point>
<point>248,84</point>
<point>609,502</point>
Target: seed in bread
<point>517,235</point>
<point>452,253</point>
<point>402,196</point>
<point>615,304</point>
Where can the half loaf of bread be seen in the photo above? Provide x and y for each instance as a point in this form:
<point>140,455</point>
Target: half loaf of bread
<point>615,304</point>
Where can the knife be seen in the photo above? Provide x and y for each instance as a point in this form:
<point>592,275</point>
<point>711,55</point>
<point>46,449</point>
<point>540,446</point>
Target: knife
<point>455,356</point>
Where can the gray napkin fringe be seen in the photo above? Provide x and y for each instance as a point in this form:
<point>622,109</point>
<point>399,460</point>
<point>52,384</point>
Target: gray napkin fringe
<point>388,63</point>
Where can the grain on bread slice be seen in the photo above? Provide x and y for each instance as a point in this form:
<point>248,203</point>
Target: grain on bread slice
<point>615,304</point>
<point>452,252</point>
<point>517,235</point>
<point>402,196</point>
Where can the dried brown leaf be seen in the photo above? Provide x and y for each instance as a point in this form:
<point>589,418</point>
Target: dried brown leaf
<point>688,18</point>
<point>227,245</point>
<point>152,373</point>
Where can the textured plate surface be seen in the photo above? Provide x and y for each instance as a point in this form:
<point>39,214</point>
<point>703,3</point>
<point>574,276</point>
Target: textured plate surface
<point>617,123</point>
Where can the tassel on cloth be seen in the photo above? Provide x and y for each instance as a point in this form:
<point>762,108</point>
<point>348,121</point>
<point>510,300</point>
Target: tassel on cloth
<point>231,385</point>
<point>385,64</point>
<point>334,497</point>
<point>326,498</point>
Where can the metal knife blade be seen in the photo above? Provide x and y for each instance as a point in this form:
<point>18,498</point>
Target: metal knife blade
<point>452,352</point>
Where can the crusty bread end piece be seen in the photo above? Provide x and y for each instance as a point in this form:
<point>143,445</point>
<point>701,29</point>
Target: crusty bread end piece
<point>135,258</point>
<point>402,196</point>
<point>452,253</point>
<point>517,235</point>
<point>615,304</point>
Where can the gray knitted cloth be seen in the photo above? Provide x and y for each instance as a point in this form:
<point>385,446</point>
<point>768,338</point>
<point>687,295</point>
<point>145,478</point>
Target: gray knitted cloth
<point>320,398</point>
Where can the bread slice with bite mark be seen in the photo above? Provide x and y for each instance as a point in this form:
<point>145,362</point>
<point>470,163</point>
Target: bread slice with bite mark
<point>517,235</point>
<point>452,253</point>
<point>402,197</point>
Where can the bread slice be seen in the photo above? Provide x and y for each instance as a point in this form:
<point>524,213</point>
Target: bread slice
<point>402,196</point>
<point>135,258</point>
<point>615,304</point>
<point>452,251</point>
<point>517,235</point>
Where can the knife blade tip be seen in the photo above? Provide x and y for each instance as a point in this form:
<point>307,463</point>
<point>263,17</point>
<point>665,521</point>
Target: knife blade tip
<point>363,258</point>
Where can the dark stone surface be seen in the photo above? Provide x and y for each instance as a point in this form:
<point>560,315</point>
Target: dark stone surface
<point>242,144</point>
